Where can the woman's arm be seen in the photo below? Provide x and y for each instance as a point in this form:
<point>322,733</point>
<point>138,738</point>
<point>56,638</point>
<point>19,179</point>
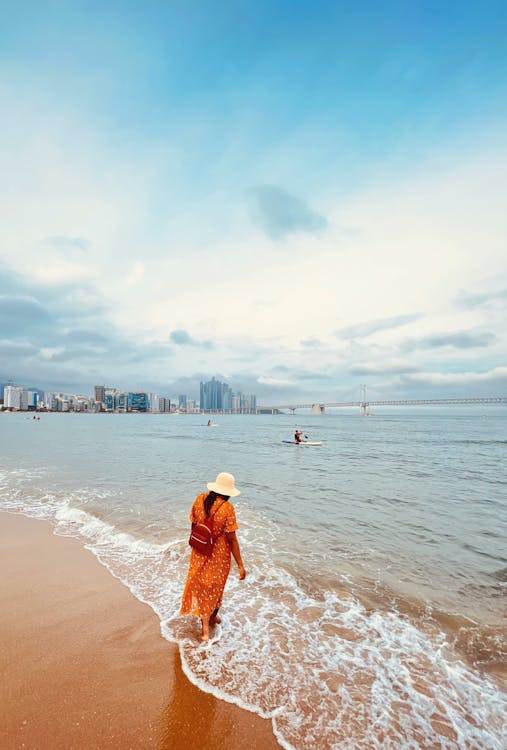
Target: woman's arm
<point>234,545</point>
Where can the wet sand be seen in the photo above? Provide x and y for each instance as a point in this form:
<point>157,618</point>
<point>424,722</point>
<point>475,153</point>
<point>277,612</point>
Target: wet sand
<point>83,664</point>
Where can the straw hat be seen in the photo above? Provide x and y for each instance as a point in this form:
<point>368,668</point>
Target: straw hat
<point>224,485</point>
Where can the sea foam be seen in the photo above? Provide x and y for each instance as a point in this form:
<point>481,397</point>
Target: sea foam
<point>328,671</point>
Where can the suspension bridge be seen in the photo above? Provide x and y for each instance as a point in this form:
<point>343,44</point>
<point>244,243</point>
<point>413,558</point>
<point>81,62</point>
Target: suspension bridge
<point>364,405</point>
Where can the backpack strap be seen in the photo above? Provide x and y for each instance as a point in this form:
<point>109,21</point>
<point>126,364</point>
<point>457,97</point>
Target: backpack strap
<point>209,519</point>
<point>215,510</point>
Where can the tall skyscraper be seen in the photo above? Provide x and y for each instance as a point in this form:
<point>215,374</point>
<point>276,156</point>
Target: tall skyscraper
<point>32,400</point>
<point>226,397</point>
<point>248,403</point>
<point>123,402</point>
<point>138,401</point>
<point>211,395</point>
<point>12,397</point>
<point>164,404</point>
<point>100,393</point>
<point>244,403</point>
<point>215,396</point>
<point>110,399</point>
<point>3,386</point>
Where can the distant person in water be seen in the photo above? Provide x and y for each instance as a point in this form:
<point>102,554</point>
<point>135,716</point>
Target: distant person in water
<point>207,576</point>
<point>297,436</point>
<point>209,422</point>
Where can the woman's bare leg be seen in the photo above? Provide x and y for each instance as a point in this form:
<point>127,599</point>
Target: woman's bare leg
<point>205,629</point>
<point>215,619</point>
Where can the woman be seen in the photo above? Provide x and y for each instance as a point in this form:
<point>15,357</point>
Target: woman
<point>207,575</point>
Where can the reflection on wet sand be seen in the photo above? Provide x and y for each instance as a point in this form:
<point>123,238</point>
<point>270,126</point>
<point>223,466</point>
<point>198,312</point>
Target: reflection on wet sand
<point>206,722</point>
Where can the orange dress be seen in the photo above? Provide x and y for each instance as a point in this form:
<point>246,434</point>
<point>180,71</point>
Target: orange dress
<point>207,576</point>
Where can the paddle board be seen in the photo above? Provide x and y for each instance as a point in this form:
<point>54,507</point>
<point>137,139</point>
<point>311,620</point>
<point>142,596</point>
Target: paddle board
<point>303,442</point>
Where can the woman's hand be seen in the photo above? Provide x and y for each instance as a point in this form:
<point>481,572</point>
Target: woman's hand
<point>233,543</point>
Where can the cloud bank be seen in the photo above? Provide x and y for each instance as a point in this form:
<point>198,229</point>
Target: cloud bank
<point>127,256</point>
<point>457,340</point>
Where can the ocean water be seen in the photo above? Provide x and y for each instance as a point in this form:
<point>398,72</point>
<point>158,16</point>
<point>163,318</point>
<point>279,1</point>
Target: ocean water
<point>373,614</point>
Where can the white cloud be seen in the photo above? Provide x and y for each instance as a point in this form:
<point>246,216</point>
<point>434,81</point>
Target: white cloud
<point>274,382</point>
<point>498,375</point>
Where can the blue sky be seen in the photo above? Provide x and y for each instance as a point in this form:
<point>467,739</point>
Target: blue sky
<point>297,197</point>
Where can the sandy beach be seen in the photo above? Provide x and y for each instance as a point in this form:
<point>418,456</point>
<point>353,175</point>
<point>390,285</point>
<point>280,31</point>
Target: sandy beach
<point>83,664</point>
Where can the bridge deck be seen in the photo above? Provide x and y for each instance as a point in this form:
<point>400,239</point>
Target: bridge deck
<point>392,402</point>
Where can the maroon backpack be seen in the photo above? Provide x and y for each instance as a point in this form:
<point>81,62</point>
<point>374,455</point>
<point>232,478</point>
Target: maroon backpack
<point>201,535</point>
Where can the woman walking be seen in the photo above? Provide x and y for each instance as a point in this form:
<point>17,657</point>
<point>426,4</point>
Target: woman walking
<point>207,574</point>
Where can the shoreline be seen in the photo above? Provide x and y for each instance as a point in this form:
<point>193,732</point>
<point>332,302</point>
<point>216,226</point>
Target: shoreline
<point>83,663</point>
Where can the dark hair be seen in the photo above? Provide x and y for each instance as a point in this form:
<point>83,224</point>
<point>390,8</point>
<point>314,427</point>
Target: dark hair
<point>210,499</point>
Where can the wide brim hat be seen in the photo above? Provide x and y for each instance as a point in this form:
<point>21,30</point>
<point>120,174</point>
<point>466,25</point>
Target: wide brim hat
<point>224,485</point>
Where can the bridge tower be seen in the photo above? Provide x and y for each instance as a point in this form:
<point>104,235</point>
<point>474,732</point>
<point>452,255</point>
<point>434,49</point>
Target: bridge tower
<point>364,403</point>
<point>318,408</point>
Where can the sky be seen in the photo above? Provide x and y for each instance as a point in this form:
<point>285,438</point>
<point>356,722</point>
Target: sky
<point>298,198</point>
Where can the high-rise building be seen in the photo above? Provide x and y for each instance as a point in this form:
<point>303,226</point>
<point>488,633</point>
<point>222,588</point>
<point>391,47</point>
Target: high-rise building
<point>23,400</point>
<point>243,403</point>
<point>215,396</point>
<point>138,401</point>
<point>182,402</point>
<point>211,395</point>
<point>123,402</point>
<point>2,386</point>
<point>248,403</point>
<point>47,400</point>
<point>12,397</point>
<point>164,405</point>
<point>226,397</point>
<point>110,399</point>
<point>100,393</point>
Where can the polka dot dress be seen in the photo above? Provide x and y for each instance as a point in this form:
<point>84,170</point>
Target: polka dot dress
<point>207,576</point>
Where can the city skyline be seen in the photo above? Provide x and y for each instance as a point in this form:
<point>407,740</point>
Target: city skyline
<point>294,199</point>
<point>213,396</point>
